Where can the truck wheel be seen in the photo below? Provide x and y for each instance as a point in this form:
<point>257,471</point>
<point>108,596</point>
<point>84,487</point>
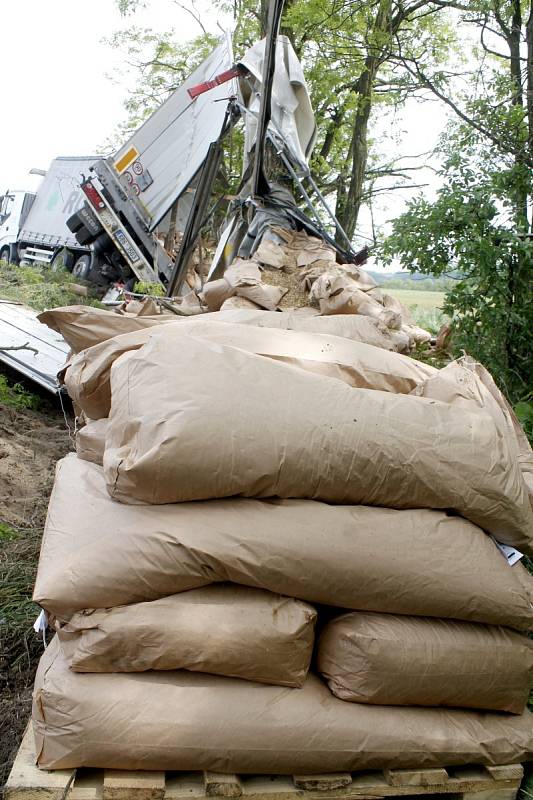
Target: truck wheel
<point>84,236</point>
<point>74,223</point>
<point>5,254</point>
<point>62,260</point>
<point>82,267</point>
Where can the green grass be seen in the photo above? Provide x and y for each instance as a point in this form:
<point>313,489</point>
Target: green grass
<point>425,306</point>
<point>417,298</point>
<point>39,287</point>
<point>7,533</point>
<point>15,395</point>
<point>431,319</point>
<point>151,289</point>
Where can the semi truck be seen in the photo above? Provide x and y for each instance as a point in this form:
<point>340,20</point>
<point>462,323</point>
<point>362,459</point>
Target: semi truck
<point>33,225</point>
<point>113,220</point>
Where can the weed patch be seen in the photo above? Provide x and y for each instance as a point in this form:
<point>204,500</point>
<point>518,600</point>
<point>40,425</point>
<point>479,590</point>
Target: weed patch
<point>40,287</point>
<point>32,438</point>
<point>16,396</point>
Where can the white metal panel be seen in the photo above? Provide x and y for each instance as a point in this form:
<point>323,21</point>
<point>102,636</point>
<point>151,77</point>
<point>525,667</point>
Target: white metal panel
<point>19,325</point>
<point>58,197</point>
<point>173,143</point>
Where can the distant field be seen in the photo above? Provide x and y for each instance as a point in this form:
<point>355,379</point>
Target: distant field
<point>425,307</point>
<point>414,297</point>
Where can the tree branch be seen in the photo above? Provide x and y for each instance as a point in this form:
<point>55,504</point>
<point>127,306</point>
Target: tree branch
<point>194,14</point>
<point>20,347</point>
<point>502,144</point>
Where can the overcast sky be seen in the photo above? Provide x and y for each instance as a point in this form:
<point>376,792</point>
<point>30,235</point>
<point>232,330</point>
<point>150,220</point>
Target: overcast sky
<point>56,98</point>
<point>60,95</point>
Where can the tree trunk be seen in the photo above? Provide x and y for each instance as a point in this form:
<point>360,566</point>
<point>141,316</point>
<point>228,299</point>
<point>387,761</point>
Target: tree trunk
<point>288,31</point>
<point>349,199</point>
<point>263,18</point>
<point>513,36</point>
<point>514,41</point>
<point>529,84</point>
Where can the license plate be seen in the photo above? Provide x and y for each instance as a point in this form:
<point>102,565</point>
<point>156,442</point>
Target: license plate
<point>130,250</point>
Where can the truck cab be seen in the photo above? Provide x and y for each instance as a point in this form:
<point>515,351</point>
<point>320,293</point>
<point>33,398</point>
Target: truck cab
<point>14,209</point>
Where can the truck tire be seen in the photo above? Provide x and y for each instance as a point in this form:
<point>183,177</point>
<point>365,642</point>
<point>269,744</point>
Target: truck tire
<point>82,266</point>
<point>84,218</point>
<point>83,236</point>
<point>74,223</point>
<point>89,220</point>
<point>5,254</point>
<point>63,259</point>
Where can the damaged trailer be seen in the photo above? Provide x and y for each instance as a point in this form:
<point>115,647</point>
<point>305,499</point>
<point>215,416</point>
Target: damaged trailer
<point>162,179</point>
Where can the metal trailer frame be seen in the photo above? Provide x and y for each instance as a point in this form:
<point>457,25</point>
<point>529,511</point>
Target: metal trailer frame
<point>109,217</point>
<point>116,230</point>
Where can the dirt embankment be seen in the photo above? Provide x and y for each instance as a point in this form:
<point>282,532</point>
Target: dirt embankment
<point>31,441</point>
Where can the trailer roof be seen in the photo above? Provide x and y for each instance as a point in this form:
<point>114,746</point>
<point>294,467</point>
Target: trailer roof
<point>19,326</point>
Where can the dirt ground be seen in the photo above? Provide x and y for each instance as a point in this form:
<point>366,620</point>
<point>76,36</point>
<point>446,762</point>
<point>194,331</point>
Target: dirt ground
<point>31,441</point>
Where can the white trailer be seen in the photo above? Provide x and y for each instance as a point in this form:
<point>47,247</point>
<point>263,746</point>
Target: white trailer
<point>33,226</point>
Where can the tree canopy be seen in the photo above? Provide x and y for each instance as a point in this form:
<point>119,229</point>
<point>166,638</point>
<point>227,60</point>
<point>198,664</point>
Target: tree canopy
<point>481,221</point>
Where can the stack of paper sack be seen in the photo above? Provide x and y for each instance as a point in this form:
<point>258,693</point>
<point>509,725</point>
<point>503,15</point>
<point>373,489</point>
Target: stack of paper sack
<point>274,552</point>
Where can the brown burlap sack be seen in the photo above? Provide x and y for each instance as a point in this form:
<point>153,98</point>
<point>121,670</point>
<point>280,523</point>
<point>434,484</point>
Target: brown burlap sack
<point>459,383</point>
<point>527,474</point>
<point>416,334</point>
<point>350,302</point>
<point>86,375</point>
<point>223,629</point>
<point>98,554</point>
<point>90,440</point>
<point>191,721</point>
<point>389,301</point>
<point>466,383</point>
<point>141,307</point>
<point>215,293</point>
<point>338,294</point>
<point>385,659</point>
<point>355,363</point>
<point>84,326</point>
<point>237,303</point>
<point>299,435</point>
<point>243,279</point>
<point>350,326</point>
<point>358,278</point>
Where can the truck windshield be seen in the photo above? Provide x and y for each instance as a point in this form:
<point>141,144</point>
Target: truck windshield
<point>6,203</point>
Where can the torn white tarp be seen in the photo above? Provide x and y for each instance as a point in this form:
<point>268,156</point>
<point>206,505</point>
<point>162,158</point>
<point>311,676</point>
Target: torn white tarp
<point>292,116</point>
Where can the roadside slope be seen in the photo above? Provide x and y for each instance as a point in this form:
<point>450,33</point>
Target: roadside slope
<point>31,441</point>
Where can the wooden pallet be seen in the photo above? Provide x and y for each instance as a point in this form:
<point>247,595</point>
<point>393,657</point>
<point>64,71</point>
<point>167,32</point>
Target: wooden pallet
<point>27,782</point>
